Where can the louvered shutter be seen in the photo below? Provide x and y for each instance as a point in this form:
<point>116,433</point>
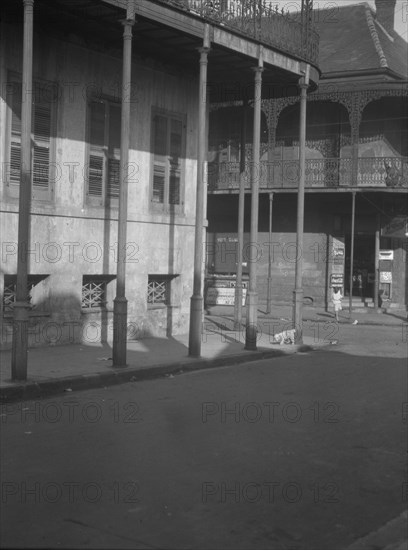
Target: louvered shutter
<point>41,139</point>
<point>95,175</point>
<point>42,143</point>
<point>160,158</point>
<point>113,178</point>
<point>175,161</point>
<point>15,141</point>
<point>114,151</point>
<point>96,161</point>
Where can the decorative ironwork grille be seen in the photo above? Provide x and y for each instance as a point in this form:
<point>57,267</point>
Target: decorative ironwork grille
<point>380,171</point>
<point>9,295</point>
<point>157,290</point>
<point>93,293</point>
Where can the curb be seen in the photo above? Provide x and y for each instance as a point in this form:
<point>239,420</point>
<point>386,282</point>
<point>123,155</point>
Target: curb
<point>31,390</point>
<point>367,322</point>
<point>391,536</point>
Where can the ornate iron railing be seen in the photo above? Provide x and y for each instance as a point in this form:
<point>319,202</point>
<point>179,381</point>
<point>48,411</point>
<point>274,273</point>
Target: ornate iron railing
<point>380,171</point>
<point>325,172</point>
<point>261,20</point>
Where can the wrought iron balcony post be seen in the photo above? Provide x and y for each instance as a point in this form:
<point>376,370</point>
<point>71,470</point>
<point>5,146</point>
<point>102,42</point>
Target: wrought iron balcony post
<point>21,306</point>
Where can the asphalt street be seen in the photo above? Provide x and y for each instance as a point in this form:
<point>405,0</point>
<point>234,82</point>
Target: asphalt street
<point>302,452</point>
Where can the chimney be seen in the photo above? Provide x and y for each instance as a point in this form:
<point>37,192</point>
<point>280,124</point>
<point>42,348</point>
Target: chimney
<point>385,11</point>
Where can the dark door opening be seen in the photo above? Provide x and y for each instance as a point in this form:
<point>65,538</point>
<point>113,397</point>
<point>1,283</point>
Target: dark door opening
<point>363,266</point>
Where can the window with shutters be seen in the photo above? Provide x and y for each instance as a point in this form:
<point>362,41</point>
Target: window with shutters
<point>44,100</point>
<point>103,158</point>
<point>168,153</point>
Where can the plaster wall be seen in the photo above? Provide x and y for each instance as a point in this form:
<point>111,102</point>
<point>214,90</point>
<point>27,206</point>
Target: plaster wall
<point>71,238</point>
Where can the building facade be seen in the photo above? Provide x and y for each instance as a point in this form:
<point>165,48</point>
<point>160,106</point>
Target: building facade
<point>356,172</point>
<point>75,149</point>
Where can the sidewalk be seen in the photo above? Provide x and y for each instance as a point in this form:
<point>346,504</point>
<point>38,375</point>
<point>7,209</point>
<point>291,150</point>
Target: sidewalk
<point>55,369</point>
<point>364,316</point>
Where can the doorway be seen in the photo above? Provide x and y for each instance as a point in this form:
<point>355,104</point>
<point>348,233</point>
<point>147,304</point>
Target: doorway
<point>363,266</point>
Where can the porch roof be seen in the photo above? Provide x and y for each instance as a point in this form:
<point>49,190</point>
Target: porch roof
<point>168,38</point>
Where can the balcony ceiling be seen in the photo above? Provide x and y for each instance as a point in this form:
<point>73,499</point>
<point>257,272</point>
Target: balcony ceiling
<point>96,25</point>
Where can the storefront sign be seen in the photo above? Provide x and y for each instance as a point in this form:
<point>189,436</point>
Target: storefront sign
<point>337,279</point>
<point>337,249</point>
<point>223,296</point>
<point>338,267</point>
<point>386,255</point>
<point>385,277</point>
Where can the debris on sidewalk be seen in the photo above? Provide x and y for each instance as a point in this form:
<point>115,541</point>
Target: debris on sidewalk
<point>355,322</point>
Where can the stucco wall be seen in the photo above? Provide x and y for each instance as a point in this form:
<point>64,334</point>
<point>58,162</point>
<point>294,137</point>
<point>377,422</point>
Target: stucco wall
<point>70,238</point>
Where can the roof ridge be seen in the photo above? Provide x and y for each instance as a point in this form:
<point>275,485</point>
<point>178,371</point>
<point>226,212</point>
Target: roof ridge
<point>375,37</point>
<point>361,4</point>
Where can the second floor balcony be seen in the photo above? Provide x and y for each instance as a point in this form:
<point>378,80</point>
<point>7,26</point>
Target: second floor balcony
<point>381,172</point>
<point>373,155</point>
<point>291,33</point>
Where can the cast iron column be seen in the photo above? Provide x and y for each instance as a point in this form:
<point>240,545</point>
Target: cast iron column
<point>298,292</point>
<point>196,303</point>
<point>269,296</point>
<point>377,263</point>
<point>353,216</point>
<point>22,306</point>
<point>120,301</point>
<point>252,295</point>
<point>241,208</point>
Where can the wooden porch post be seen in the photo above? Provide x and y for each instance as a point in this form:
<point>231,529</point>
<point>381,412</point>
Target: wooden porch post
<point>120,302</point>
<point>196,302</point>
<point>22,306</point>
<point>252,295</point>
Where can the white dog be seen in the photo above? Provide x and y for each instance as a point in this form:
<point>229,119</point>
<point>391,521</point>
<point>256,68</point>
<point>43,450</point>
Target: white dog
<point>285,337</point>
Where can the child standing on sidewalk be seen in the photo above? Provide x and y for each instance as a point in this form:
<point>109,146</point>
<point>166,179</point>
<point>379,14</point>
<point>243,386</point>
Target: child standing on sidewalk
<point>336,299</point>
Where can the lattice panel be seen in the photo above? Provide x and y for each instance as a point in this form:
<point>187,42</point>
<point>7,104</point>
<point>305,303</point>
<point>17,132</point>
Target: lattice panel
<point>93,294</point>
<point>9,295</point>
<point>157,292</point>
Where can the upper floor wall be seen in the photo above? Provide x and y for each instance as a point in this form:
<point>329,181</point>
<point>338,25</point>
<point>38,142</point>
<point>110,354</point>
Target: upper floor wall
<point>77,93</point>
<point>76,133</point>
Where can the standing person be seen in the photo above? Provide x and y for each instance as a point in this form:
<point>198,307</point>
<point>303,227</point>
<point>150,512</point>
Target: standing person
<point>336,299</point>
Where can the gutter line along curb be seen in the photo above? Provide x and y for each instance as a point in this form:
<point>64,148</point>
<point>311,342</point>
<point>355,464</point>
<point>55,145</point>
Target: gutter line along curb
<point>30,390</point>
